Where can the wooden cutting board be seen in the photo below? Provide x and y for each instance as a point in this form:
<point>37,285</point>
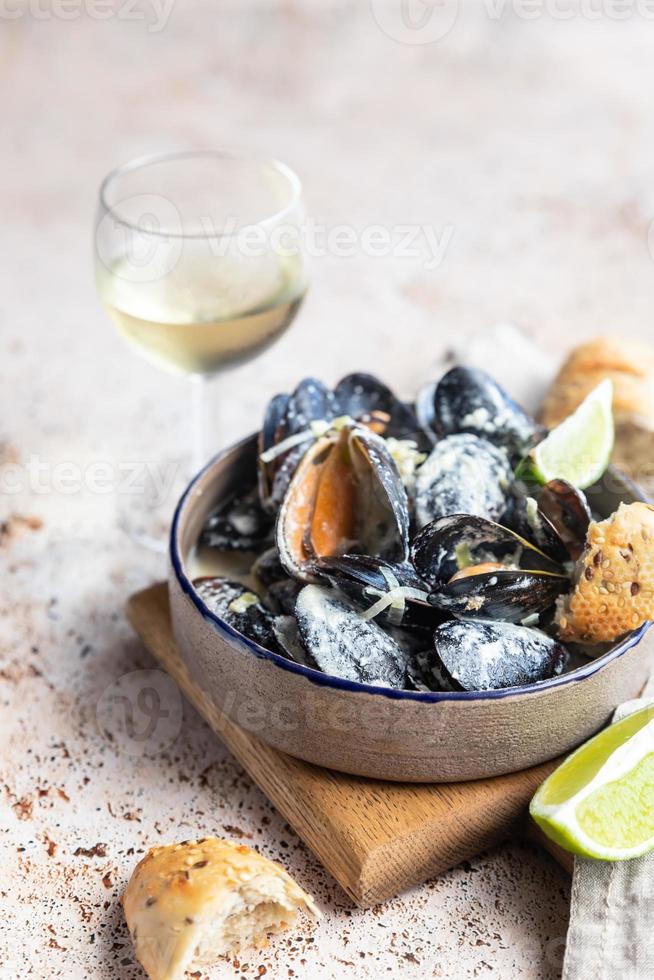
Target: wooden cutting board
<point>376,838</point>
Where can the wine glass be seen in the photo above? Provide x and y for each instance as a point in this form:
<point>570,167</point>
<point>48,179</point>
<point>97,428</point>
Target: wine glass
<point>199,263</point>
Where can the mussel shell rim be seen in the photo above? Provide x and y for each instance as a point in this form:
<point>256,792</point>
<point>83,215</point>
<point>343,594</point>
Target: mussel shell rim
<point>451,519</point>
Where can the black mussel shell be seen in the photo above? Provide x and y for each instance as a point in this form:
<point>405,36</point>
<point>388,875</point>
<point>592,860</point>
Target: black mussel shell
<point>426,673</point>
<point>279,591</point>
<point>365,580</point>
<point>567,510</point>
<point>486,656</point>
<point>385,519</point>
<point>311,402</point>
<point>424,409</point>
<point>362,395</point>
<point>556,519</point>
<point>273,428</point>
<point>446,545</point>
<point>281,479</point>
<point>281,596</point>
<point>469,400</point>
<point>462,475</point>
<point>286,416</point>
<point>268,569</point>
<point>345,645</point>
<point>511,596</point>
<point>238,524</point>
<point>239,608</point>
<point>290,643</point>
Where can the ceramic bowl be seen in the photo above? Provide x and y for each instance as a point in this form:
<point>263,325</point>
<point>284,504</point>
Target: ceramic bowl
<point>373,731</point>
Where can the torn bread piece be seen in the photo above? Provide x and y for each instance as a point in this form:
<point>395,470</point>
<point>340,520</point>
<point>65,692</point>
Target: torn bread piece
<point>630,366</point>
<point>187,904</point>
<point>614,579</point>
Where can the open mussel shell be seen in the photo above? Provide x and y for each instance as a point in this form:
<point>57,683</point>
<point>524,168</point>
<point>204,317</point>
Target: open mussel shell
<point>485,656</point>
<point>469,400</point>
<point>462,475</point>
<point>450,544</point>
<point>238,607</point>
<point>510,595</point>
<point>343,644</point>
<point>370,582</point>
<point>346,495</point>
<point>556,519</point>
<point>566,509</point>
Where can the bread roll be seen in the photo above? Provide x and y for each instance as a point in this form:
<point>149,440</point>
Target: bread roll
<point>614,591</point>
<point>189,903</point>
<point>630,366</point>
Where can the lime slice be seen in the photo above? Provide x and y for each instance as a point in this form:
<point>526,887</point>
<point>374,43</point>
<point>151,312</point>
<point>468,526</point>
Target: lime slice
<point>578,450</point>
<point>599,803</point>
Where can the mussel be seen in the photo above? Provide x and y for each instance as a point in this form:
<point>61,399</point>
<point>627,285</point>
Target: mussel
<point>363,396</point>
<point>344,644</point>
<point>238,524</point>
<point>464,474</point>
<point>293,422</point>
<point>267,569</point>
<point>346,495</point>
<point>480,570</point>
<point>279,590</point>
<point>287,432</point>
<point>391,594</point>
<point>288,637</point>
<point>425,672</point>
<point>469,400</point>
<point>238,607</point>
<point>481,655</point>
<point>556,518</point>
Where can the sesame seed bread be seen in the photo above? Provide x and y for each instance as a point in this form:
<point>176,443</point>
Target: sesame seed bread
<point>614,591</point>
<point>630,366</point>
<point>190,903</point>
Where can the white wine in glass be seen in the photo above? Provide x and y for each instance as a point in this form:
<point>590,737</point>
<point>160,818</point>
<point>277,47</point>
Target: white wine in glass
<point>199,263</point>
<point>221,326</point>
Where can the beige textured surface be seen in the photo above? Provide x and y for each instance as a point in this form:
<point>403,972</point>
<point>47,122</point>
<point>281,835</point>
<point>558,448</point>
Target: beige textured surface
<point>534,139</point>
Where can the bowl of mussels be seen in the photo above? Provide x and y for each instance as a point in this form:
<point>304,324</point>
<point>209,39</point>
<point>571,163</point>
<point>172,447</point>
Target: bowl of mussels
<point>376,587</point>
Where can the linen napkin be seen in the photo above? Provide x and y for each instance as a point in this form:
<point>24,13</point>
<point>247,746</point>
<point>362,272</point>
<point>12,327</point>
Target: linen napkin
<point>611,931</point>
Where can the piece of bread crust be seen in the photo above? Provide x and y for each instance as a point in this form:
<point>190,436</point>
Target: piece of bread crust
<point>614,591</point>
<point>630,366</point>
<point>192,902</point>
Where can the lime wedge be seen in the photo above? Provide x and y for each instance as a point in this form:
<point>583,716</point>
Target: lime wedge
<point>578,450</point>
<point>599,803</point>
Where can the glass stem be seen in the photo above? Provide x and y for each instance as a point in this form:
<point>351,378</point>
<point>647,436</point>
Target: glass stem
<point>200,453</point>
